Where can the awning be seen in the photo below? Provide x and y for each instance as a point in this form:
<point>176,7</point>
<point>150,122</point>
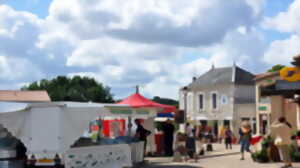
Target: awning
<point>162,119</point>
<point>229,118</point>
<point>170,115</point>
<point>138,101</point>
<point>201,118</point>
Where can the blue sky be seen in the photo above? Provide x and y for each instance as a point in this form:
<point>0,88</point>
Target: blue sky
<point>158,44</point>
<point>38,7</point>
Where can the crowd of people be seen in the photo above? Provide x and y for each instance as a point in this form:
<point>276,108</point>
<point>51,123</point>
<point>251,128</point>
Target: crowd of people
<point>191,142</point>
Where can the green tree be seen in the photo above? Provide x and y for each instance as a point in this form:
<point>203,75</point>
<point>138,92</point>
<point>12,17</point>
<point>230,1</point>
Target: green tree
<point>276,68</point>
<point>166,101</point>
<point>81,89</point>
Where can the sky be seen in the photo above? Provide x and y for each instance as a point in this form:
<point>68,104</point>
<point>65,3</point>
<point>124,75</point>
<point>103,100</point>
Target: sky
<point>157,44</point>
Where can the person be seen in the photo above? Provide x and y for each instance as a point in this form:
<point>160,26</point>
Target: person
<point>141,133</point>
<point>222,134</point>
<point>245,138</point>
<point>190,142</point>
<point>209,138</point>
<point>168,130</point>
<point>228,138</point>
<point>281,129</point>
<point>199,140</point>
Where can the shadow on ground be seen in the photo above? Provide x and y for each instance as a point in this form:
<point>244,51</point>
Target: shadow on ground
<point>219,155</point>
<point>170,166</point>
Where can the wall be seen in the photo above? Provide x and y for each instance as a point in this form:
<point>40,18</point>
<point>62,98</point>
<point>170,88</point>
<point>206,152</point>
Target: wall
<point>290,112</point>
<point>244,93</point>
<point>224,110</point>
<point>276,108</point>
<point>243,111</point>
<point>181,100</point>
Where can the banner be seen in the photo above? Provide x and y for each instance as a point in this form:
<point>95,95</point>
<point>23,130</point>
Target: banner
<point>106,156</point>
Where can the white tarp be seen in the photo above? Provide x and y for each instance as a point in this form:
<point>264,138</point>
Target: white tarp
<point>108,156</point>
<point>75,121</point>
<point>15,123</point>
<point>12,106</point>
<point>137,152</point>
<point>149,125</point>
<point>50,128</point>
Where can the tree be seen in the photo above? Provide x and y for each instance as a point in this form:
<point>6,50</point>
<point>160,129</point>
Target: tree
<point>81,89</point>
<point>165,101</point>
<point>276,68</point>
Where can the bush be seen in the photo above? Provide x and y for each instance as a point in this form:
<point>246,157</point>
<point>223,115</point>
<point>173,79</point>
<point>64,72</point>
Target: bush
<point>261,156</point>
<point>266,142</point>
<point>296,157</point>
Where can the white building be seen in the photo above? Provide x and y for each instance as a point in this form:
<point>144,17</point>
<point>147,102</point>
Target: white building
<point>221,96</point>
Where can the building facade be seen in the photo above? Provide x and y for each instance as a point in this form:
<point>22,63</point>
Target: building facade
<point>221,96</point>
<point>273,102</point>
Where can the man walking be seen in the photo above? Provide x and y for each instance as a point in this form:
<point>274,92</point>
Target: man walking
<point>245,138</point>
<point>168,130</point>
<point>141,133</point>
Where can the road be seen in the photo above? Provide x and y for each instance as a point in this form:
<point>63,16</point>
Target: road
<point>220,158</point>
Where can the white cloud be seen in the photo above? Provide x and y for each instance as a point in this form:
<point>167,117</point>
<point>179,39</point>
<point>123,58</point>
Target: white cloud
<point>282,51</point>
<point>16,68</point>
<point>173,22</point>
<point>138,42</point>
<point>257,5</point>
<point>287,21</point>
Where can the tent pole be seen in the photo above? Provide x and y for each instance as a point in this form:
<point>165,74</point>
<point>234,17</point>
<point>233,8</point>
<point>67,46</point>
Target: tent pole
<point>129,125</point>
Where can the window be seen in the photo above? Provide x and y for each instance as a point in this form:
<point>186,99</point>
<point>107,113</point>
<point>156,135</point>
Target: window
<point>201,101</point>
<point>214,100</point>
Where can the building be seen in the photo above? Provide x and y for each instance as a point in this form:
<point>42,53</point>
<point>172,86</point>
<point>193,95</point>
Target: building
<point>221,96</point>
<point>277,97</point>
<point>24,96</point>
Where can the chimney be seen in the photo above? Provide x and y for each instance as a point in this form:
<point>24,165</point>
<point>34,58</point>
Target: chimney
<point>296,60</point>
<point>194,79</point>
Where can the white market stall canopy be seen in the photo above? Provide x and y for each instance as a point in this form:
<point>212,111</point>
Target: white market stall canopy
<point>50,128</point>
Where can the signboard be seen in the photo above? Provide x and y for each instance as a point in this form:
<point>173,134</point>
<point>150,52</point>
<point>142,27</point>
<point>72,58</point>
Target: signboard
<point>291,74</point>
<point>121,111</point>
<point>224,100</point>
<point>142,112</point>
<point>262,108</point>
<point>106,156</point>
<point>285,85</point>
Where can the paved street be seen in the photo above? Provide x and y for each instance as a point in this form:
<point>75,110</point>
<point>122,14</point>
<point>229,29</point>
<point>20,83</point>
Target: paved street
<point>218,159</point>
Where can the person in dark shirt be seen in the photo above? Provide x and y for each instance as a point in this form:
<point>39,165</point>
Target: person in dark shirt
<point>141,133</point>
<point>168,129</point>
<point>245,138</point>
<point>228,138</point>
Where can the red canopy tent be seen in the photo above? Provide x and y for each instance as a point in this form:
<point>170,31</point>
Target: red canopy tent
<point>137,101</point>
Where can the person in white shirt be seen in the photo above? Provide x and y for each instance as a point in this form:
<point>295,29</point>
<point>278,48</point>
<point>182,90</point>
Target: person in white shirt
<point>190,142</point>
<point>282,130</point>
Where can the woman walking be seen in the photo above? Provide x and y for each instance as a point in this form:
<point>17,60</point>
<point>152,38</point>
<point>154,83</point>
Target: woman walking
<point>281,129</point>
<point>228,138</point>
<point>245,138</point>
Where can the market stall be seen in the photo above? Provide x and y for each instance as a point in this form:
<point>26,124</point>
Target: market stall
<point>49,129</point>
<point>138,101</point>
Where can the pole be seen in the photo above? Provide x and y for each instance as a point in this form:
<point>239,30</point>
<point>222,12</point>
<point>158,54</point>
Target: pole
<point>129,125</point>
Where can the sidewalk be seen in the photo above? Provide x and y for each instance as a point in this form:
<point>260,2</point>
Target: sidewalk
<point>219,158</point>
